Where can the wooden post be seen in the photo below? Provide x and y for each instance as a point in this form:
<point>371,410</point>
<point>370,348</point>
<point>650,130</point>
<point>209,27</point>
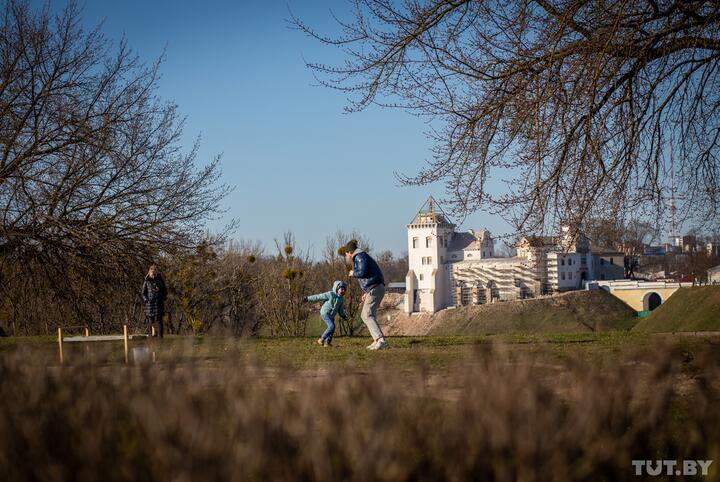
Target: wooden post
<point>60,344</point>
<point>87,331</point>
<point>125,341</point>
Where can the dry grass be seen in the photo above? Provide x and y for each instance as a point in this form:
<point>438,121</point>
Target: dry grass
<point>508,418</point>
<point>571,312</point>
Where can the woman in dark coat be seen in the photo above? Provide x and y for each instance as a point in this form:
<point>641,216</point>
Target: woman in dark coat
<point>153,294</point>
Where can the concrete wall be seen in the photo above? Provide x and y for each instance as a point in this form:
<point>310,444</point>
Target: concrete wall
<point>410,287</point>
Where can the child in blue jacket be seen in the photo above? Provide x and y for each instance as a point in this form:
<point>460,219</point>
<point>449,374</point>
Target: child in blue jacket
<point>334,305</point>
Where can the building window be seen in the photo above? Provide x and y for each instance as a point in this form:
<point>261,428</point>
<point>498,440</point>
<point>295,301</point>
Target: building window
<point>562,276</point>
<point>442,259</point>
<point>602,261</point>
<point>469,255</point>
<point>428,242</point>
<point>415,242</point>
<point>612,261</point>
<point>427,260</point>
<point>562,261</point>
<point>583,261</point>
<point>421,276</point>
<point>454,256</point>
<point>570,275</point>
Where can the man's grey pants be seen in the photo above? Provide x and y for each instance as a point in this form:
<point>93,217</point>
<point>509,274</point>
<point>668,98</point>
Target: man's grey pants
<point>370,308</point>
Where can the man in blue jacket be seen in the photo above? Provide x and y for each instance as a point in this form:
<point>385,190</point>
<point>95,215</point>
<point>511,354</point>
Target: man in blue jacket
<point>372,282</point>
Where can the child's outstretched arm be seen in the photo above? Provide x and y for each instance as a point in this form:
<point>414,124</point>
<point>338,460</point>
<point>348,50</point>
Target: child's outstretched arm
<point>319,297</point>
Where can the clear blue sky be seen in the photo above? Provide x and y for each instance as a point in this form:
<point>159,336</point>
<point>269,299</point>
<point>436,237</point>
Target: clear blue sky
<point>237,71</point>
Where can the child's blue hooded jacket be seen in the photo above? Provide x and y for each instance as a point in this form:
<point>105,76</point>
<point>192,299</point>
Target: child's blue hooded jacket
<point>333,302</point>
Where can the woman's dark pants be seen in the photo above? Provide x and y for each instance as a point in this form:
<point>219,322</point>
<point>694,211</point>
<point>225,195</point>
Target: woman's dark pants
<point>157,322</point>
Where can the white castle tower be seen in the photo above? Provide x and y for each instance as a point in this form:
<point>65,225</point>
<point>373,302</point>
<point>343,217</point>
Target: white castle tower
<point>429,236</point>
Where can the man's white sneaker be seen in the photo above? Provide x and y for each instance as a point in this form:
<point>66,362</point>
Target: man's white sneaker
<point>380,345</point>
<point>372,346</point>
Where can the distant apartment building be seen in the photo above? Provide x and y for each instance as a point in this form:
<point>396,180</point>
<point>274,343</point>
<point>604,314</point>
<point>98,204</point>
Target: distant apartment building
<point>689,244</point>
<point>450,268</point>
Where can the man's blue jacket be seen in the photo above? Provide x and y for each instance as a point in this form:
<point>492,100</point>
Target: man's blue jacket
<point>366,270</point>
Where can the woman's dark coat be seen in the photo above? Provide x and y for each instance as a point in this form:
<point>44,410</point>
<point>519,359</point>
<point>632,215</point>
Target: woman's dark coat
<point>153,294</point>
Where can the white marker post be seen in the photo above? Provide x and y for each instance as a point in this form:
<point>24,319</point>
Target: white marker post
<point>125,341</point>
<point>60,344</point>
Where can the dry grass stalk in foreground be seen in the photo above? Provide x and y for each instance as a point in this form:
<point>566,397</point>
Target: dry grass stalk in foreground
<point>166,422</point>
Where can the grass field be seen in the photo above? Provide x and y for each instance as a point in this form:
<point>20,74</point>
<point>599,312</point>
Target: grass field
<point>434,351</point>
<point>688,309</point>
<point>522,406</point>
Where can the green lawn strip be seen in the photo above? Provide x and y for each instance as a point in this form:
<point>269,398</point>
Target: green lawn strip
<point>434,351</point>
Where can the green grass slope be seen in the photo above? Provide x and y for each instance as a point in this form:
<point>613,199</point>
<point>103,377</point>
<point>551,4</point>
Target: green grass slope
<point>688,309</point>
<point>572,312</point>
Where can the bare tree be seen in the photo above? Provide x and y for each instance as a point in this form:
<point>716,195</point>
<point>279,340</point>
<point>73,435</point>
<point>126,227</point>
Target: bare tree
<point>394,269</point>
<point>280,286</point>
<point>631,236</point>
<point>93,181</point>
<point>334,267</point>
<point>575,101</point>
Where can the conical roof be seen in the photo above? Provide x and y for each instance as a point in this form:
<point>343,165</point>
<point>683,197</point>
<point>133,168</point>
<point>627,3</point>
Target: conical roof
<point>430,214</point>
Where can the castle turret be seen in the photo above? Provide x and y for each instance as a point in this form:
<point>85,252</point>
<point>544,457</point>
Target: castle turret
<point>429,236</point>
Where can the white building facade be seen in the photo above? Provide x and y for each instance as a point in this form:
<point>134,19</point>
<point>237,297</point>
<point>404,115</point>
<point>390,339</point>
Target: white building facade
<point>449,268</point>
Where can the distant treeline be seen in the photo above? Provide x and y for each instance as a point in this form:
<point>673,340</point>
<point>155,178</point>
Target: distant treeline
<point>232,288</point>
